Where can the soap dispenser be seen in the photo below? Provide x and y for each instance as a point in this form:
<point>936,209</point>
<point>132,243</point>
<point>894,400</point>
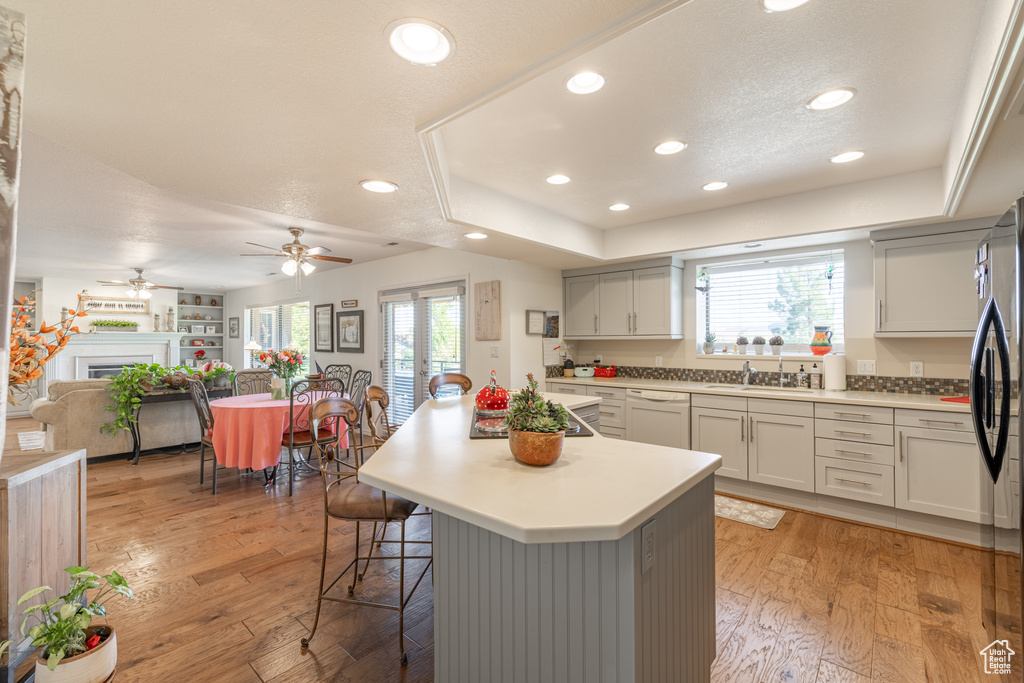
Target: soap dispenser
<point>801,377</point>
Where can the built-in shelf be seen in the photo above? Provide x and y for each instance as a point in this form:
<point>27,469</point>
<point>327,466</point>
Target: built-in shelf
<point>198,306</point>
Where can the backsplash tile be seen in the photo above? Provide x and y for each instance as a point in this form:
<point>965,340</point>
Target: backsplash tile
<point>889,385</point>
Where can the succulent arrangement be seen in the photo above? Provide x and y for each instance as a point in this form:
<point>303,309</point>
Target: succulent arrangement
<point>114,323</point>
<point>741,341</point>
<point>710,338</point>
<point>758,340</point>
<point>529,412</point>
<point>776,341</point>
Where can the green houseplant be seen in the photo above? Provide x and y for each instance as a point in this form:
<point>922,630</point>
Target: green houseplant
<point>709,342</point>
<point>776,343</point>
<point>73,650</point>
<point>758,345</point>
<point>127,389</point>
<point>128,325</point>
<point>536,428</point>
<point>741,344</point>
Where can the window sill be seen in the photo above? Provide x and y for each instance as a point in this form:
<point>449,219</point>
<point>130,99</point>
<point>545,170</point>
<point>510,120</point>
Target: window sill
<point>753,356</point>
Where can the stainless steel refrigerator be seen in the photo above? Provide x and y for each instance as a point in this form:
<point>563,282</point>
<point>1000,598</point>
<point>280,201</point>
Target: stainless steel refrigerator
<point>995,379</point>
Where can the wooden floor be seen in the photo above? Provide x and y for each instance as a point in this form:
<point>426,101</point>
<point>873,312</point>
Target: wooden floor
<point>226,588</point>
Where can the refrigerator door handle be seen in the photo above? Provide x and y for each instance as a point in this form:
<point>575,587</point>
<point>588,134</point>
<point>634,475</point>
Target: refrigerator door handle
<point>982,389</point>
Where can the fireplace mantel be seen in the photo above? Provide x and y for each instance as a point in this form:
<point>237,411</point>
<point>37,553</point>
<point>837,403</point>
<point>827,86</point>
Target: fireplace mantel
<point>164,347</point>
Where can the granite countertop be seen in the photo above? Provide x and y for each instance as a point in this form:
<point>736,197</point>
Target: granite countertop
<point>862,398</point>
<point>599,490</point>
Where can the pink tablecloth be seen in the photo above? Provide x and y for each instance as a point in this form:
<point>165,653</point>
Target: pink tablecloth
<point>248,430</point>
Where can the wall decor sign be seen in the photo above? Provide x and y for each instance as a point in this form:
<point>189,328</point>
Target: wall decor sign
<point>113,304</point>
<point>323,332</point>
<point>349,303</point>
<point>350,331</point>
<point>534,322</point>
<point>487,310</point>
<point>233,328</point>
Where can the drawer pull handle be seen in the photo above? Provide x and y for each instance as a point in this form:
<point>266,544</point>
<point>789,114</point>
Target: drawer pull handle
<point>743,430</point>
<point>843,450</point>
<point>607,412</point>
<point>854,481</point>
<point>603,393</point>
<point>847,431</point>
<point>901,445</point>
<point>945,422</point>
<point>843,412</point>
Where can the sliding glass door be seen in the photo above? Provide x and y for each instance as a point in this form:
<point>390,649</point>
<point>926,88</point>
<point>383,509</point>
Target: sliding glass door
<point>424,333</point>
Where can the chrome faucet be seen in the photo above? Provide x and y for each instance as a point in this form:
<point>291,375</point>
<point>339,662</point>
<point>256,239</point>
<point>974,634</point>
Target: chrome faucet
<point>782,380</point>
<point>748,372</point>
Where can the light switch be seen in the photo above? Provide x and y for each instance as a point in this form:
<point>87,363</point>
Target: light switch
<point>494,352</point>
<point>865,367</point>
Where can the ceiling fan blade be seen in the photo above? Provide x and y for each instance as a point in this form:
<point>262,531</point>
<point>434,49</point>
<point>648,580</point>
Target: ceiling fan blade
<point>264,246</point>
<point>112,282</point>
<point>164,287</point>
<point>313,251</point>
<point>263,254</point>
<point>336,259</point>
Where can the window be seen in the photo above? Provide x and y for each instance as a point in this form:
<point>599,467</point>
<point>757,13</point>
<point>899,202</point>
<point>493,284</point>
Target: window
<point>788,295</point>
<point>282,326</point>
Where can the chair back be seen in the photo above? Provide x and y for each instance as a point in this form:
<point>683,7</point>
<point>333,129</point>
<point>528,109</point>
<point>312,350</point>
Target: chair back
<point>357,390</point>
<point>342,415</point>
<point>440,381</point>
<point>339,371</point>
<point>303,395</point>
<point>201,401</point>
<point>252,382</point>
<point>380,425</point>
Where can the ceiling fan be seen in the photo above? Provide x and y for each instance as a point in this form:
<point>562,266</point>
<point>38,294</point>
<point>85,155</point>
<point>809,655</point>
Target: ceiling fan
<point>138,286</point>
<point>298,255</point>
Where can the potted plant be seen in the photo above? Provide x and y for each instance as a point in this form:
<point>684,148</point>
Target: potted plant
<point>127,389</point>
<point>72,649</point>
<point>709,342</point>
<point>741,345</point>
<point>758,345</point>
<point>776,343</point>
<point>536,428</point>
<point>219,376</point>
<point>120,325</point>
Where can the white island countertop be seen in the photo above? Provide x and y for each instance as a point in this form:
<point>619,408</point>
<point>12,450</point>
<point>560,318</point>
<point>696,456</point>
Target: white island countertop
<point>599,490</point>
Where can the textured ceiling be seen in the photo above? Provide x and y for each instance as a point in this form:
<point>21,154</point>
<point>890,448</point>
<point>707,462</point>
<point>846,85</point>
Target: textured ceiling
<point>164,135</point>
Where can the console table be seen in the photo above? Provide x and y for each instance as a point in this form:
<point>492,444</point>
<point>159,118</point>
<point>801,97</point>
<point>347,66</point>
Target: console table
<point>162,397</point>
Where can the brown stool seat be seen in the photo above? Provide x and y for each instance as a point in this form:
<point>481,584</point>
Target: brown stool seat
<point>362,501</point>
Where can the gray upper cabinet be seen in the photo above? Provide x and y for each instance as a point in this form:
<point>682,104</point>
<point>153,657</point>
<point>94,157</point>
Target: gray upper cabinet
<point>924,286</point>
<point>641,299</point>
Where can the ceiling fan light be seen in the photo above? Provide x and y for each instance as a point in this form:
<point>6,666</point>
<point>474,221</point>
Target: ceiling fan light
<point>289,267</point>
<point>145,294</point>
<point>131,292</point>
<point>307,267</point>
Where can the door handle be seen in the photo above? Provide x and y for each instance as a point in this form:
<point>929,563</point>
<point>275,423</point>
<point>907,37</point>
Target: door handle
<point>901,444</point>
<point>634,324</point>
<point>595,323</point>
<point>879,314</point>
<point>751,429</point>
<point>743,430</point>
<point>629,323</point>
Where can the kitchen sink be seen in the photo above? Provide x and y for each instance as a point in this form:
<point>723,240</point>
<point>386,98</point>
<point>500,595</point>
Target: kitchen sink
<point>723,386</point>
<point>784,390</point>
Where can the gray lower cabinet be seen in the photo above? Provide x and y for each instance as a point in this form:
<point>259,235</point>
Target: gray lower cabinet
<point>612,409</point>
<point>722,432</point>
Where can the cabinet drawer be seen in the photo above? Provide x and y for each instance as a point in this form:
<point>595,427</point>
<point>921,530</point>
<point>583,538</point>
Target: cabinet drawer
<point>720,402</point>
<point>859,452</point>
<point>616,393</point>
<point>863,432</point>
<point>863,481</point>
<point>613,432</point>
<point>838,411</point>
<point>588,413</point>
<point>613,413</point>
<point>934,419</point>
<point>565,388</point>
<point>780,407</point>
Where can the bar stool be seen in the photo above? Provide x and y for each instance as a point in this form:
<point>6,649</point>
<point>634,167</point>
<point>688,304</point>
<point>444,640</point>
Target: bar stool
<point>448,379</point>
<point>347,499</point>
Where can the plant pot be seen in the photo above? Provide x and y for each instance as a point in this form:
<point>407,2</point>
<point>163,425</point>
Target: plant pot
<point>776,350</point>
<point>222,381</point>
<point>208,383</point>
<point>759,349</point>
<point>709,347</point>
<point>94,666</point>
<point>741,349</point>
<point>536,448</point>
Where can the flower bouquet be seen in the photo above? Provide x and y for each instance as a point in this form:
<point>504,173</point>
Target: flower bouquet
<point>285,364</point>
<point>30,352</point>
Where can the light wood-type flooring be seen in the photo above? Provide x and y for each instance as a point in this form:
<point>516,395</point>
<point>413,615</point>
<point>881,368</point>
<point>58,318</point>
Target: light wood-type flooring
<point>225,588</point>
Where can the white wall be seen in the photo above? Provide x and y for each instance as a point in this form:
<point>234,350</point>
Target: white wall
<point>523,287</point>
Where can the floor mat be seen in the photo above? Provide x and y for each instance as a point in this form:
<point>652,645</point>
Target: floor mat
<point>749,513</point>
<point>31,441</point>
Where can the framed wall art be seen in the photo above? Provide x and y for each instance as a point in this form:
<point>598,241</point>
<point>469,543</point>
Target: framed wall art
<point>211,329</point>
<point>350,331</point>
<point>199,329</point>
<point>233,328</point>
<point>349,303</point>
<point>113,304</point>
<point>323,330</point>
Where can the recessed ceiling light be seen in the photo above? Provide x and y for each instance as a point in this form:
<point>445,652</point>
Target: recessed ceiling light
<point>717,185</point>
<point>585,83</point>
<point>831,98</point>
<point>846,157</point>
<point>558,179</point>
<point>475,235</point>
<point>781,5</point>
<point>752,245</point>
<point>670,147</point>
<point>420,41</point>
<point>619,207</point>
<point>382,186</point>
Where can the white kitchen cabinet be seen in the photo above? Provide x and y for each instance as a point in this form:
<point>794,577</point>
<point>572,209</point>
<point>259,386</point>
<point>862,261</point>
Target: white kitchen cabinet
<point>939,471</point>
<point>925,285</point>
<point>781,450</point>
<point>612,409</point>
<point>640,299</point>
<point>724,433</point>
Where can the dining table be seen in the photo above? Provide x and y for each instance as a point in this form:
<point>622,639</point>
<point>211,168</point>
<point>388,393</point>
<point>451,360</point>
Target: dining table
<point>249,430</point>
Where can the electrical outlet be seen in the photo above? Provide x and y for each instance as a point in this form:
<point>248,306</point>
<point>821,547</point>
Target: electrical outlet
<point>647,543</point>
<point>494,352</point>
<point>598,358</point>
<point>657,361</point>
<point>865,367</point>
<point>917,368</point>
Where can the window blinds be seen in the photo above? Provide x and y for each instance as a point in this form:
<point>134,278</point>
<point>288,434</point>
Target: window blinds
<point>282,326</point>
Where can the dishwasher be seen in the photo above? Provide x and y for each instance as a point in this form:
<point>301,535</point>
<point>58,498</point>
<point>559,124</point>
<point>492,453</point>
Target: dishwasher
<point>658,417</point>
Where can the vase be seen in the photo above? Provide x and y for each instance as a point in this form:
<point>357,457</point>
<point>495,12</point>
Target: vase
<point>776,349</point>
<point>821,344</point>
<point>709,348</point>
<point>536,448</point>
<point>93,666</point>
<point>758,349</point>
<point>280,388</point>
<point>742,349</point>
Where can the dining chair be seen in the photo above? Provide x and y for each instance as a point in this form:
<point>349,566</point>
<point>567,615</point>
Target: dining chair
<point>357,394</point>
<point>346,499</point>
<point>444,379</point>
<point>300,435</point>
<point>253,382</point>
<point>379,423</point>
<point>339,371</point>
<point>201,401</point>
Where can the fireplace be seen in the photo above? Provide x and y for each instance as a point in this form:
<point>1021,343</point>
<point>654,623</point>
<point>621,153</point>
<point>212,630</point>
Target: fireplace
<point>95,367</point>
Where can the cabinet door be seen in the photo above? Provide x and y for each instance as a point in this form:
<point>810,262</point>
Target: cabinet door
<point>781,451</point>
<point>581,306</point>
<point>926,284</point>
<point>654,291</point>
<point>616,304</point>
<point>940,472</point>
<point>724,433</point>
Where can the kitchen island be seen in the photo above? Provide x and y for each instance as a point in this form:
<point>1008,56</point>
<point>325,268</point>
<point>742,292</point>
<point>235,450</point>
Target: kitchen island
<point>539,573</point>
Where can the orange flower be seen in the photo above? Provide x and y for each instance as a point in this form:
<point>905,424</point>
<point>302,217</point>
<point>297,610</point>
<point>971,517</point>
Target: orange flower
<point>30,352</point>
